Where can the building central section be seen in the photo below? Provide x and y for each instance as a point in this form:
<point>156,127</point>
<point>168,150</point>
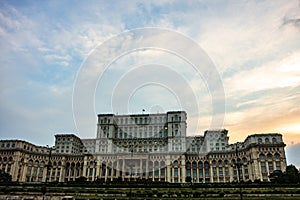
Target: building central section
<point>139,133</point>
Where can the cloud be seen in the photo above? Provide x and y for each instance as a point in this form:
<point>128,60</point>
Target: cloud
<point>254,44</point>
<point>275,74</point>
<point>292,153</point>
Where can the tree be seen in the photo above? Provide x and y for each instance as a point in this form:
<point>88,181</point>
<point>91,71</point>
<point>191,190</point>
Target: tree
<point>5,177</point>
<point>188,179</point>
<point>292,174</point>
<point>277,176</point>
<point>80,179</point>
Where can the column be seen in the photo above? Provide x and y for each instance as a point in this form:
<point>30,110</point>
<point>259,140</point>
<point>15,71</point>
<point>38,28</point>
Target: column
<point>147,168</point>
<point>183,169</point>
<point>123,170</point>
<point>117,168</point>
<point>259,171</point>
<point>141,168</point>
<point>211,173</point>
<point>168,173</point>
<point>231,173</point>
<point>197,174</point>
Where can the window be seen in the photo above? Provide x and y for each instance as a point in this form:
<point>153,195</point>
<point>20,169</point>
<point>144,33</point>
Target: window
<point>269,156</point>
<point>267,141</point>
<point>270,166</point>
<point>176,163</point>
<point>176,172</point>
<point>220,171</point>
<point>259,140</point>
<point>274,140</point>
<point>261,156</point>
<point>278,165</point>
<point>246,170</point>
<point>162,172</point>
<point>200,165</point>
<point>263,167</point>
<point>226,171</point>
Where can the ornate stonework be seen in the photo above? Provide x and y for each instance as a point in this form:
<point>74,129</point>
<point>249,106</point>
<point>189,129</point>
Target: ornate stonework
<point>146,146</point>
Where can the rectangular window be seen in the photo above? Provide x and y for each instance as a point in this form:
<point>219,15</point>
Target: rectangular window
<point>206,173</point>
<point>270,167</point>
<point>246,171</point>
<point>220,171</point>
<point>278,165</point>
<point>226,171</point>
<point>188,172</point>
<point>28,171</point>
<point>176,172</point>
<point>263,167</point>
<point>162,173</point>
<point>214,172</point>
<point>194,173</point>
<point>200,173</point>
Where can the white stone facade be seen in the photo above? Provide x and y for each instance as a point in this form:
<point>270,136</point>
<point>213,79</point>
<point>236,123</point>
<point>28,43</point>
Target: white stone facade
<point>146,146</point>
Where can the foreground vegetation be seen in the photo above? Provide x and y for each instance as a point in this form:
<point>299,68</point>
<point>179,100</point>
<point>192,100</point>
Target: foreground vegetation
<point>282,186</point>
<point>138,191</point>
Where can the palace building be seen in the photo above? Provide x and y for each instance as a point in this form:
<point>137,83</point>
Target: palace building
<point>145,147</point>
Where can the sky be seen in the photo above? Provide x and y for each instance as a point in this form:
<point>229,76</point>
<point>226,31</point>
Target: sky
<point>64,62</point>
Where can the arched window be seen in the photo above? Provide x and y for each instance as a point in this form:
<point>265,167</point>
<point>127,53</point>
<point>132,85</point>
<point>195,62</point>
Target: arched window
<point>200,164</point>
<point>244,160</point>
<point>188,165</point>
<point>175,163</point>
<point>220,162</point>
<point>214,162</point>
<point>261,156</point>
<point>226,162</point>
<point>277,155</point>
<point>267,141</point>
<point>194,164</point>
<point>269,156</point>
<point>274,140</point>
<point>206,164</point>
<point>259,140</point>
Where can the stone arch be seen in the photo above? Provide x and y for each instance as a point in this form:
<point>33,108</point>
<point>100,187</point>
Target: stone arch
<point>175,163</point>
<point>259,140</point>
<point>277,155</point>
<point>261,156</point>
<point>220,162</point>
<point>269,156</point>
<point>267,140</point>
<point>200,164</point>
<point>226,162</point>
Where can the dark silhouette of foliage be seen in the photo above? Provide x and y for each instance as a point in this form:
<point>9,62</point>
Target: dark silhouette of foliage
<point>291,175</point>
<point>5,177</point>
<point>81,179</point>
<point>188,179</point>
